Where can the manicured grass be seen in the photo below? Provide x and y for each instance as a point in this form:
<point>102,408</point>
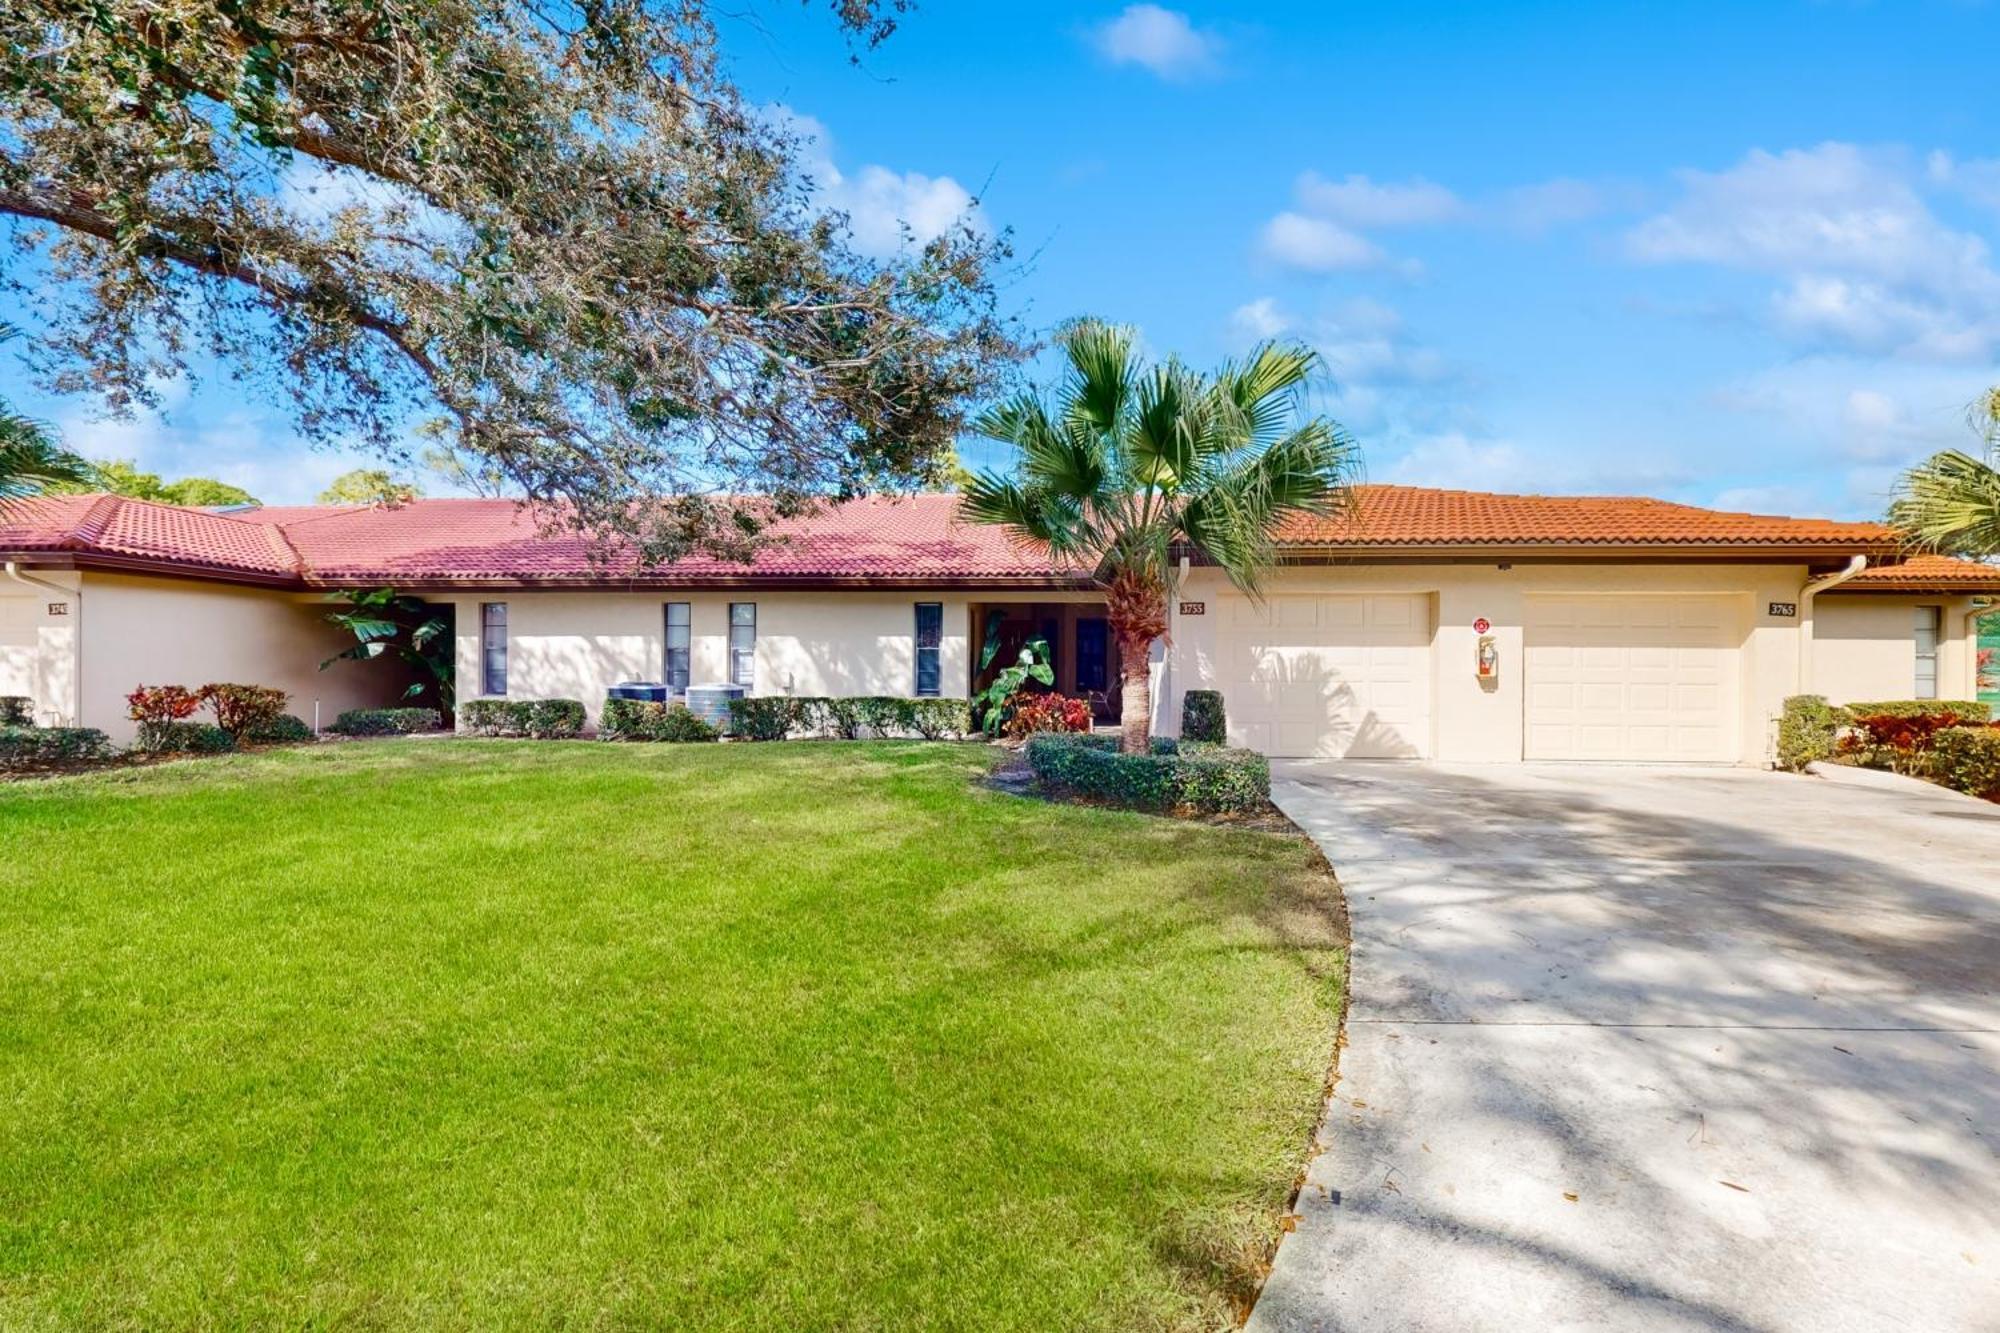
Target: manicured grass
<point>439,1034</point>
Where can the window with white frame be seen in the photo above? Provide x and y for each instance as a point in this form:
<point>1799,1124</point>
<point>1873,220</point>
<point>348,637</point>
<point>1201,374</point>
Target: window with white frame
<point>743,644</point>
<point>493,647</point>
<point>678,644</point>
<point>1930,622</point>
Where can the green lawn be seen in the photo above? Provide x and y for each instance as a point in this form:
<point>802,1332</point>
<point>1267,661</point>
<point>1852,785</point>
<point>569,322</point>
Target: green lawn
<point>566,1035</point>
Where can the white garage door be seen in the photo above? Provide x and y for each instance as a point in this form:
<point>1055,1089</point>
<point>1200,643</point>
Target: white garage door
<point>1341,677</point>
<point>1633,677</point>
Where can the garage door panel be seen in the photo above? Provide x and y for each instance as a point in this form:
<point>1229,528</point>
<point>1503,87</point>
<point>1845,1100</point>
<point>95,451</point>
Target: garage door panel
<point>1632,678</point>
<point>1328,675</point>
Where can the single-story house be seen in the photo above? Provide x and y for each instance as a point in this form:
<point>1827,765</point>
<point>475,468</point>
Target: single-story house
<point>1445,624</point>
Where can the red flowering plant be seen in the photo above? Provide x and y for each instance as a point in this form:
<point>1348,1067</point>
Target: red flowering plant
<point>242,709</point>
<point>1895,741</point>
<point>1035,713</point>
<point>159,704</point>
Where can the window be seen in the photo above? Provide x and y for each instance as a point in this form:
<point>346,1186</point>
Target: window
<point>743,644</point>
<point>930,636</point>
<point>677,647</point>
<point>1930,619</point>
<point>1093,655</point>
<point>493,647</point>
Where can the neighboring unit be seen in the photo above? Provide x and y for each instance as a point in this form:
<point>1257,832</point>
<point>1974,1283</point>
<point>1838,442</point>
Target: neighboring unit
<point>1424,624</point>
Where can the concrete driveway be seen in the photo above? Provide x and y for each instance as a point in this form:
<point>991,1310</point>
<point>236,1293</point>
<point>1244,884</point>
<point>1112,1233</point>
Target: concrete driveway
<point>1653,1048</point>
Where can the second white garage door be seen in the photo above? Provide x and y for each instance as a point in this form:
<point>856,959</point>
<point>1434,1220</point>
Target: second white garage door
<point>1633,678</point>
<point>1341,677</point>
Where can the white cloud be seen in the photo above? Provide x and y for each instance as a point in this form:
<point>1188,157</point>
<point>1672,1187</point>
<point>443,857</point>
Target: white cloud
<point>241,447</point>
<point>1463,461</point>
<point>1160,40</point>
<point>1358,201</point>
<point>1845,409</point>
<point>1255,321</point>
<point>1551,203</point>
<point>1317,245</point>
<point>1865,262</point>
<point>886,209</point>
<point>1977,179</point>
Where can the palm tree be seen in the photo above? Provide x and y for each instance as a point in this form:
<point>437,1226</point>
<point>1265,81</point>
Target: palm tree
<point>31,460</point>
<point>1130,466</point>
<point>1951,501</point>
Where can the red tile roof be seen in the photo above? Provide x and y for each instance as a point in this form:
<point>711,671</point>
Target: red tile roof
<point>1421,516</point>
<point>907,539</point>
<point>1928,573</point>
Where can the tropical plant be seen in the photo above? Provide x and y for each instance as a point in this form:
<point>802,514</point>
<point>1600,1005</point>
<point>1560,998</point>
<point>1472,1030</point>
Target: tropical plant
<point>32,459</point>
<point>995,703</point>
<point>386,623</point>
<point>1950,502</point>
<point>1129,466</point>
<point>555,237</point>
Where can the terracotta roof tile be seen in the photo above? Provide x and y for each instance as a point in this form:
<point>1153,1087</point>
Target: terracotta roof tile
<point>906,538</point>
<point>1924,573</point>
<point>1421,516</point>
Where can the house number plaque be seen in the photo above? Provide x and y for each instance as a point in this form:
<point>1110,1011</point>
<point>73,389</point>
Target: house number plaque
<point>58,608</point>
<point>1194,608</point>
<point>1787,609</point>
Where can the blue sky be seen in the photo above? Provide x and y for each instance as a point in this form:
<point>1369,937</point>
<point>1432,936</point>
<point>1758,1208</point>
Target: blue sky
<point>1735,254</point>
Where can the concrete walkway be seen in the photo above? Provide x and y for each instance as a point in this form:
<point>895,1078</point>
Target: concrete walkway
<point>1653,1048</point>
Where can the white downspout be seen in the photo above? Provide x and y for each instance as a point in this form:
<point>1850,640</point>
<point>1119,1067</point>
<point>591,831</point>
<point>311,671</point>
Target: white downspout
<point>1807,595</point>
<point>13,571</point>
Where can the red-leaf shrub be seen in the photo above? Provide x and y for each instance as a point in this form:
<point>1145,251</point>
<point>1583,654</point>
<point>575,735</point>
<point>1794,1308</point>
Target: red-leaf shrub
<point>161,703</point>
<point>1036,713</point>
<point>240,709</point>
<point>1900,742</point>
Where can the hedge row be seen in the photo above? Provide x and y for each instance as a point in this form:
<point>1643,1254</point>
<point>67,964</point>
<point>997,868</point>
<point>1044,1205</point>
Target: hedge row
<point>1196,776</point>
<point>773,718</point>
<point>540,719</point>
<point>27,747</point>
<point>1809,728</point>
<point>1950,741</point>
<point>1967,759</point>
<point>387,721</point>
<point>638,720</point>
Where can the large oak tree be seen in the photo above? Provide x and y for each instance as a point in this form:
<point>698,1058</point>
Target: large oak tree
<point>553,232</point>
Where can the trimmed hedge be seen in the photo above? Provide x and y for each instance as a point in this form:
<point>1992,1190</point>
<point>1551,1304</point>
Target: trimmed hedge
<point>1967,759</point>
<point>1959,710</point>
<point>640,720</point>
<point>16,710</point>
<point>285,729</point>
<point>1203,717</point>
<point>387,721</point>
<point>539,719</point>
<point>849,718</point>
<point>1199,778</point>
<point>183,738</point>
<point>26,747</point>
<point>1808,730</point>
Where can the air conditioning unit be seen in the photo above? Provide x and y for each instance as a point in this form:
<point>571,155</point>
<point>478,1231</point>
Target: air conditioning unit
<point>645,691</point>
<point>710,703</point>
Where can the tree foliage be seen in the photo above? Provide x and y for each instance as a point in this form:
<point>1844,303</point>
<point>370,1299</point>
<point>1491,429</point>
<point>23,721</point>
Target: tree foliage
<point>551,234</point>
<point>1950,502</point>
<point>1129,465</point>
<point>121,476</point>
<point>368,486</point>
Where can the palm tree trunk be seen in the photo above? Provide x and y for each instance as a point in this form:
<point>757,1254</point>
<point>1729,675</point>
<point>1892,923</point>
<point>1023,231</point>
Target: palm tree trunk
<point>1136,606</point>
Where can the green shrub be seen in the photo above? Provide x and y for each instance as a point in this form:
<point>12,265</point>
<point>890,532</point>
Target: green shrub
<point>1203,718</point>
<point>387,721</point>
<point>285,729</point>
<point>768,718</point>
<point>887,716</point>
<point>1205,780</point>
<point>540,719</point>
<point>28,747</point>
<point>642,720</point>
<point>934,719</point>
<point>184,738</point>
<point>1959,710</point>
<point>1967,759</point>
<point>841,716</point>
<point>16,710</point>
<point>1808,729</point>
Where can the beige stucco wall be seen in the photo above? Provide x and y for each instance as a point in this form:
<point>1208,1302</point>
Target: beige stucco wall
<point>576,645</point>
<point>1476,721</point>
<point>148,631</point>
<point>38,648</point>
<point>1865,647</point>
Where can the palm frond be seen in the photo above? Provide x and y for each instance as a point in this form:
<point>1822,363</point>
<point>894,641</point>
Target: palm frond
<point>1100,375</point>
<point>1950,503</point>
<point>1236,519</point>
<point>1265,387</point>
<point>31,461</point>
<point>1164,438</point>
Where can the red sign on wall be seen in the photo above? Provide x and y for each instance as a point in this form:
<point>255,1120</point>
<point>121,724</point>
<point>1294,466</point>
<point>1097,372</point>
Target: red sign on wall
<point>1481,625</point>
